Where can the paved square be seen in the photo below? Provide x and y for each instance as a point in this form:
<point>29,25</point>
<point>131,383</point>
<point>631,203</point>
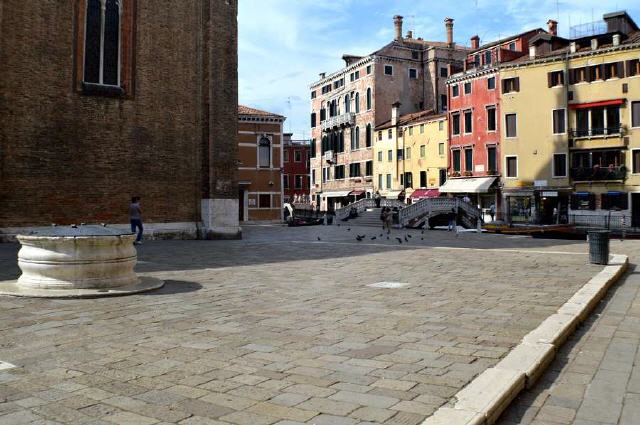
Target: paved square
<point>284,328</point>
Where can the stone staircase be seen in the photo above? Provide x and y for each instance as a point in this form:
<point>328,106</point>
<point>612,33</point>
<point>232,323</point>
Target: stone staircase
<point>369,217</point>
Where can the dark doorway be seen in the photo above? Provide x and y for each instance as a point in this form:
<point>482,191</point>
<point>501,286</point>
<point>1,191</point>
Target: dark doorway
<point>443,176</point>
<point>241,204</point>
<point>635,209</point>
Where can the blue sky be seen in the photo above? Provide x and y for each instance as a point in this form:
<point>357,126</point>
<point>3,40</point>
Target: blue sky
<point>284,44</point>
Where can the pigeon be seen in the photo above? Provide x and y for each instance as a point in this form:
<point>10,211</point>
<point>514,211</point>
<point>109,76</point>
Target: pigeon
<point>380,234</point>
<point>358,238</point>
<point>387,237</point>
<point>319,238</point>
<point>421,239</point>
<point>349,229</point>
<point>399,240</point>
<point>409,236</point>
<point>405,239</point>
<point>338,224</point>
<point>423,231</point>
<point>373,238</point>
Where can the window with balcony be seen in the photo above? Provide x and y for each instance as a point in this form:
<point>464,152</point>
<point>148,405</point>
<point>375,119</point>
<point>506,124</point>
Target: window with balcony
<point>455,90</point>
<point>467,88</point>
<point>456,160</point>
<point>468,122</point>
<point>598,165</point>
<point>511,124</point>
<point>559,165</point>
<point>468,160</point>
<point>511,85</point>
<point>597,121</point>
<point>455,124</point>
<point>491,118</point>
<point>368,168</point>
<point>388,70</point>
<point>555,78</point>
<point>423,179</point>
<point>558,117</point>
<point>512,166</point>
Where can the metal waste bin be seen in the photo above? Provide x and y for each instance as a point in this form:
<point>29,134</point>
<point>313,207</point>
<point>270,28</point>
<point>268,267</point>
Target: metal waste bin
<point>598,246</point>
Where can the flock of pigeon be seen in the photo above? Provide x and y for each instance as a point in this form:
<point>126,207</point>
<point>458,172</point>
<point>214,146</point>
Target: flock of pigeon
<point>360,238</point>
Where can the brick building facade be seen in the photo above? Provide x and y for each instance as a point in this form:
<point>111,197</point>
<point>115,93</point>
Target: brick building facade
<point>347,105</point>
<point>104,99</point>
<point>259,165</point>
<point>296,176</point>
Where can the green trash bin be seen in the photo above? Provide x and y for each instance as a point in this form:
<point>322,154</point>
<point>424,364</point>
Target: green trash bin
<point>598,246</point>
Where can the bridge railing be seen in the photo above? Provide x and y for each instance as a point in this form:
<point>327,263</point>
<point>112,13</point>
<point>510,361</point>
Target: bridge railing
<point>360,205</point>
<point>433,206</point>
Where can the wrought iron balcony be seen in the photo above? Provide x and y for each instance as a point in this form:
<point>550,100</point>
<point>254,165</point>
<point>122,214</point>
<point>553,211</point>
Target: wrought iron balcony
<point>599,173</point>
<point>612,130</point>
<point>343,120</point>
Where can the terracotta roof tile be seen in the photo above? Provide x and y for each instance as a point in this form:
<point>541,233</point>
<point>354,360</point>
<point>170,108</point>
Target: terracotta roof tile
<point>246,110</point>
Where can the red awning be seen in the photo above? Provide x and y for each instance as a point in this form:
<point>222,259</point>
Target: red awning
<point>425,193</point>
<point>356,192</point>
<point>597,104</point>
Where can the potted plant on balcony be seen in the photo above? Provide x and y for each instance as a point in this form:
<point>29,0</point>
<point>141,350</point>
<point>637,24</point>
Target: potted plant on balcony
<point>455,174</point>
<point>468,174</point>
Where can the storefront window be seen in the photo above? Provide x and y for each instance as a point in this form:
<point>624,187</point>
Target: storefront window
<point>615,201</point>
<point>520,208</point>
<point>583,201</point>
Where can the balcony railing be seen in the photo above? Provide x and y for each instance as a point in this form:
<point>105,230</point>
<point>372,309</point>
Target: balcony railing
<point>599,173</point>
<point>612,130</point>
<point>342,120</point>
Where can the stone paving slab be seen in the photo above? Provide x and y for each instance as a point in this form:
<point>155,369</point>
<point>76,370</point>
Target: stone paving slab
<point>282,327</point>
<point>595,379</point>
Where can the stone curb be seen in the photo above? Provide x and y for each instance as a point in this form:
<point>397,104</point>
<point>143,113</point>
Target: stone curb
<point>488,395</point>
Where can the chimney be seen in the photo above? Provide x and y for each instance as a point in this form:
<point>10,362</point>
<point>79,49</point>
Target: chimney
<point>616,39</point>
<point>448,23</point>
<point>553,27</point>
<point>397,23</point>
<point>532,52</point>
<point>395,109</point>
<point>594,44</point>
<point>573,47</point>
<point>409,34</point>
<point>322,75</point>
<point>475,42</point>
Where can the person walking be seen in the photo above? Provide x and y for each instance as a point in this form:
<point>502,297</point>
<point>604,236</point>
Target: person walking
<point>135,218</point>
<point>492,211</point>
<point>452,220</point>
<point>466,199</point>
<point>388,219</point>
<point>401,195</point>
<point>383,216</point>
<point>376,198</point>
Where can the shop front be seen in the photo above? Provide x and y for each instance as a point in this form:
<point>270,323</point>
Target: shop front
<point>482,191</point>
<point>540,206</point>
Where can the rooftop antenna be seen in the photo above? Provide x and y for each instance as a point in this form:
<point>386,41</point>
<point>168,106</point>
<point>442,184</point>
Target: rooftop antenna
<point>289,105</point>
<point>557,10</point>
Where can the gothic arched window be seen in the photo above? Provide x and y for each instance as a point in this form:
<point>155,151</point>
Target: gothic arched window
<point>264,153</point>
<point>347,104</point>
<point>357,101</point>
<point>368,98</point>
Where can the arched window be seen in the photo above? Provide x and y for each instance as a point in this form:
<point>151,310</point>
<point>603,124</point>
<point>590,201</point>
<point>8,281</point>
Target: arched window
<point>264,153</point>
<point>368,136</point>
<point>357,137</point>
<point>347,105</point>
<point>102,42</point>
<point>357,101</point>
<point>368,98</point>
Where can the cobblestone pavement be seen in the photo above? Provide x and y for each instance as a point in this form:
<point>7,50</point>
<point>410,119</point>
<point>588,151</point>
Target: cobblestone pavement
<point>595,378</point>
<point>282,328</point>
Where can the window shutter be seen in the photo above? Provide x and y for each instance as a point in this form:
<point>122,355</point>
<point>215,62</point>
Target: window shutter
<point>629,68</point>
<point>589,73</point>
<point>517,84</point>
<point>550,79</point>
<point>620,66</point>
<point>504,86</point>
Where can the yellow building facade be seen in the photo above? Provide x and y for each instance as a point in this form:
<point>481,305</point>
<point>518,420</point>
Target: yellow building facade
<point>571,129</point>
<point>410,153</point>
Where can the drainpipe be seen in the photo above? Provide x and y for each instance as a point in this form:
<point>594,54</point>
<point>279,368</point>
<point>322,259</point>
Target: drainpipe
<point>568,128</point>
